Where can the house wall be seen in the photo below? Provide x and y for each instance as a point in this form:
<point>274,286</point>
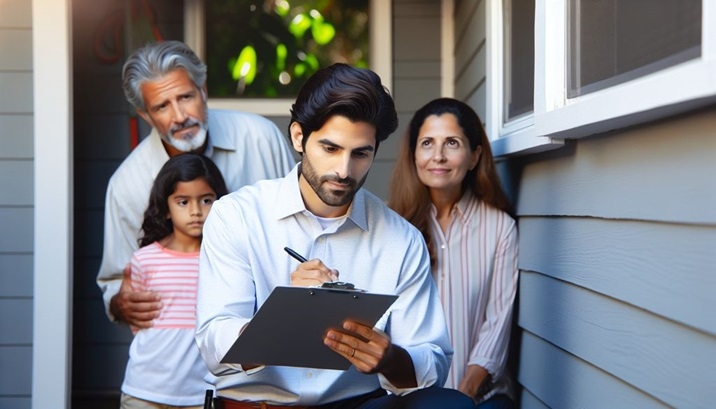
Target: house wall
<point>416,77</point>
<point>470,55</point>
<point>16,203</point>
<point>617,239</point>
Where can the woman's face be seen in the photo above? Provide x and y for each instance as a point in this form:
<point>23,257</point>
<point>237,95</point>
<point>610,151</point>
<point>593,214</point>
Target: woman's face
<point>443,155</point>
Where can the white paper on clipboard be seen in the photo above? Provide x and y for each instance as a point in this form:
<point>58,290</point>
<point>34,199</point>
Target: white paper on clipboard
<point>289,328</point>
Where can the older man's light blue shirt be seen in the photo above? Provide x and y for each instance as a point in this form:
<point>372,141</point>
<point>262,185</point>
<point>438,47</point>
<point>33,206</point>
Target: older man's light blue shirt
<point>242,260</point>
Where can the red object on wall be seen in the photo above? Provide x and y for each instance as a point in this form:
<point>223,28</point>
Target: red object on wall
<point>133,132</point>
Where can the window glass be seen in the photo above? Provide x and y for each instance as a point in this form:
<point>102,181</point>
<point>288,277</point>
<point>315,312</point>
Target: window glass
<point>267,48</point>
<point>519,56</point>
<point>614,41</point>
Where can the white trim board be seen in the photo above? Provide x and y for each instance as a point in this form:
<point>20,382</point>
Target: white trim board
<point>52,94</point>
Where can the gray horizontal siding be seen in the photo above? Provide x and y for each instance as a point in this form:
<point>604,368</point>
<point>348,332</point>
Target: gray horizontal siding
<point>530,401</point>
<point>20,402</point>
<point>659,267</point>
<point>16,204</point>
<point>417,69</point>
<point>15,275</point>
<point>16,321</point>
<point>16,138</point>
<point>416,77</point>
<point>15,372</point>
<point>18,43</point>
<point>415,8</point>
<point>470,52</point>
<point>478,101</point>
<point>14,175</point>
<point>378,179</point>
<point>19,85</point>
<point>661,172</point>
<point>663,359</point>
<point>16,236</point>
<point>473,76</point>
<point>16,14</point>
<point>617,239</point>
<point>572,382</point>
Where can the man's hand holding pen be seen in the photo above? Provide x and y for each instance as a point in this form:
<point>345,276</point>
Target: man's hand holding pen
<point>310,272</point>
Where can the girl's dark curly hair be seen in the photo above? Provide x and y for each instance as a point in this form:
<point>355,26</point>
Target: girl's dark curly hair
<point>181,168</point>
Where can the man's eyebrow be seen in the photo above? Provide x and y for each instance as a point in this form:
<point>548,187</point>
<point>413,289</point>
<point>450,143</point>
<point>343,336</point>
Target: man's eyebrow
<point>156,106</point>
<point>368,148</point>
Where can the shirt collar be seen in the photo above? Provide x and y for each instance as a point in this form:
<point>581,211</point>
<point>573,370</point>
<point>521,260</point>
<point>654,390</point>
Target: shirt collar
<point>158,145</point>
<point>461,208</point>
<point>290,201</point>
<point>218,139</point>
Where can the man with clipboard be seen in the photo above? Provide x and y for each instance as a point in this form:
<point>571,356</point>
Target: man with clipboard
<point>338,120</point>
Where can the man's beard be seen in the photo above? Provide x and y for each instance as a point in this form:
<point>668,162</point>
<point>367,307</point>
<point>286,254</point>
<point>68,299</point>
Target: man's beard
<point>330,197</point>
<point>189,141</point>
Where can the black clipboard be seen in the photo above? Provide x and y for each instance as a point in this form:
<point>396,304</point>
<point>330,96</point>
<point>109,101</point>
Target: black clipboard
<point>289,328</point>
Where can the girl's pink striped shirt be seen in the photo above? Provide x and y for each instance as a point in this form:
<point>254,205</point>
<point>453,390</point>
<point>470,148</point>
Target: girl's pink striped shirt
<point>174,276</point>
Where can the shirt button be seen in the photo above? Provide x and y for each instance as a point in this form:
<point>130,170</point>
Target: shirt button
<point>309,374</point>
<point>442,247</point>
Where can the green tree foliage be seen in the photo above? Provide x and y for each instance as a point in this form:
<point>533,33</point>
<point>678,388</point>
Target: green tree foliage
<point>267,48</point>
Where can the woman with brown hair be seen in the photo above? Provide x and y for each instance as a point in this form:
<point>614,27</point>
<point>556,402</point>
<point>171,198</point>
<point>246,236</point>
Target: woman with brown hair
<point>446,185</point>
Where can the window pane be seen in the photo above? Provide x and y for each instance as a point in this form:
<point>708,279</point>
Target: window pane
<point>519,25</point>
<point>267,48</point>
<point>614,41</point>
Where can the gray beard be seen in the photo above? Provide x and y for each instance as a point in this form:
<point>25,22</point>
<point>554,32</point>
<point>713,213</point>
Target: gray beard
<point>188,144</point>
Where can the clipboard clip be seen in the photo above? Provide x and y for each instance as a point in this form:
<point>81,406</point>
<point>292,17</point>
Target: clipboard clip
<point>339,285</point>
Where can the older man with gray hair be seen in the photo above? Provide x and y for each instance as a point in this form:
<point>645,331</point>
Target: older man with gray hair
<point>166,83</point>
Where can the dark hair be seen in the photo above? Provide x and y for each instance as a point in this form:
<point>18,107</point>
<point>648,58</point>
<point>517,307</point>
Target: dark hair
<point>410,198</point>
<point>184,167</point>
<point>340,89</point>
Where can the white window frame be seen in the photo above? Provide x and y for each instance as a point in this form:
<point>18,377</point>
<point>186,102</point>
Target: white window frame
<point>381,50</point>
<point>556,117</point>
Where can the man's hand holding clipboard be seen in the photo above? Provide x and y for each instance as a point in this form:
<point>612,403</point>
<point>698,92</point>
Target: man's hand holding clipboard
<point>363,346</point>
<point>326,326</point>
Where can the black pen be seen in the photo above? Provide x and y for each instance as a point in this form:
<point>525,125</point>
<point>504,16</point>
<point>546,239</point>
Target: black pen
<point>295,255</point>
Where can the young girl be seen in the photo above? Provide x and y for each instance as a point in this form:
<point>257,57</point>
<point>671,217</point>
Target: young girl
<point>165,369</point>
